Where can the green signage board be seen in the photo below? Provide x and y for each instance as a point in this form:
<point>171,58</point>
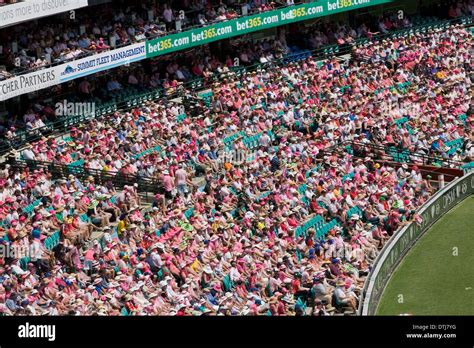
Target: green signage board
<point>249,24</point>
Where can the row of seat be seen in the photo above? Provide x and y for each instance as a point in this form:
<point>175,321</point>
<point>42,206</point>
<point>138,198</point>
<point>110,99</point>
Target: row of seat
<point>302,192</point>
<point>400,86</point>
<point>353,211</point>
<point>314,223</point>
<point>402,122</point>
<point>207,97</point>
<point>263,196</point>
<point>331,50</point>
<point>313,170</point>
<point>180,118</point>
<point>427,26</point>
<point>196,83</point>
<point>324,230</point>
<point>52,241</point>
<point>295,54</point>
<point>147,151</point>
<point>469,165</point>
<point>251,142</point>
<point>31,207</point>
<point>78,163</point>
<point>228,141</point>
<point>399,122</point>
<point>347,177</point>
<point>421,20</point>
<point>454,145</point>
<point>399,156</point>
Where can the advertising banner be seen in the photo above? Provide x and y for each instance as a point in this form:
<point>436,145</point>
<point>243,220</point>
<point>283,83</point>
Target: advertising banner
<point>102,61</point>
<point>48,77</point>
<point>32,9</point>
<point>248,24</point>
<point>28,83</point>
<point>402,242</point>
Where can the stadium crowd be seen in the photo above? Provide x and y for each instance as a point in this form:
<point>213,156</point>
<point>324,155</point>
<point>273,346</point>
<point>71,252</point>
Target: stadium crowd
<point>290,228</point>
<point>414,93</point>
<point>169,72</point>
<point>30,47</point>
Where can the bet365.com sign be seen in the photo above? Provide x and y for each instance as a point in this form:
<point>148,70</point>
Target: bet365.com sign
<point>248,24</point>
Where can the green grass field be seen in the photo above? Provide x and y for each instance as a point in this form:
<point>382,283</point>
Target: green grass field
<point>431,279</point>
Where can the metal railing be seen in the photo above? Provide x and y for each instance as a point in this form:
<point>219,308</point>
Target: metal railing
<point>396,152</point>
<point>117,179</point>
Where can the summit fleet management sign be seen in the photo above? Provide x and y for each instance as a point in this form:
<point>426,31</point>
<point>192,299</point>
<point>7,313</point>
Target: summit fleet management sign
<point>253,23</point>
<point>32,9</point>
<point>102,61</point>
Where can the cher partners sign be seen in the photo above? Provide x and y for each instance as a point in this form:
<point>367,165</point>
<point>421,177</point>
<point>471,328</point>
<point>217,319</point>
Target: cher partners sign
<point>28,83</point>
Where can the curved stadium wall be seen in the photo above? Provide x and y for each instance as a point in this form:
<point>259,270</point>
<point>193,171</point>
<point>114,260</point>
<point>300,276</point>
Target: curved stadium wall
<point>405,238</point>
